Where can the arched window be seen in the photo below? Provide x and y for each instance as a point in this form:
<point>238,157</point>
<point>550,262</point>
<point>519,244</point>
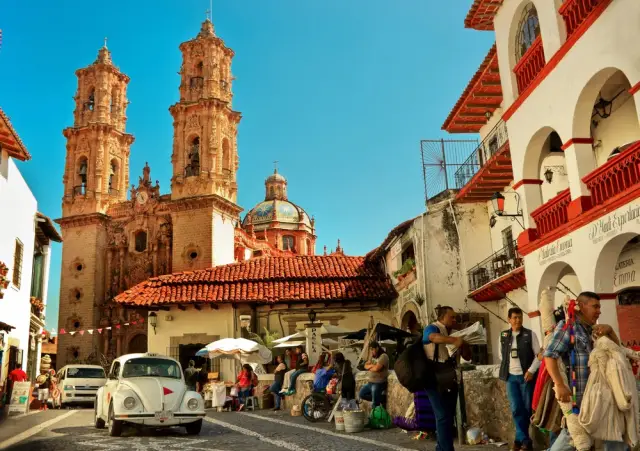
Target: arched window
<point>113,178</point>
<point>226,155</point>
<point>528,30</point>
<point>197,81</point>
<point>91,100</point>
<point>82,171</point>
<point>193,158</point>
<point>141,241</point>
<point>288,243</point>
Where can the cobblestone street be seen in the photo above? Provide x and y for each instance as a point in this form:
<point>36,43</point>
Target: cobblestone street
<point>269,431</point>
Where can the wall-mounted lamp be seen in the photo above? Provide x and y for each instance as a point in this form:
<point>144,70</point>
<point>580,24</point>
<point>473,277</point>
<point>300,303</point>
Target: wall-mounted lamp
<point>153,321</point>
<point>550,170</point>
<point>312,315</point>
<point>603,107</point>
<point>497,200</point>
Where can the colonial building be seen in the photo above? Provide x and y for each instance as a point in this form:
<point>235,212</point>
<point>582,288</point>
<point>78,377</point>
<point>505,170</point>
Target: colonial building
<point>118,235</point>
<point>25,252</point>
<point>562,78</point>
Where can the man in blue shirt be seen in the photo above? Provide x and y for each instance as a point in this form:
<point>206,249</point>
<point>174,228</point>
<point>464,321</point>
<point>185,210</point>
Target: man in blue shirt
<point>435,339</point>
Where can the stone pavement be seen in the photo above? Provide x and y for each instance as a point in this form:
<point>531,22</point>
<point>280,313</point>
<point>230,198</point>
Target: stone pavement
<point>260,430</point>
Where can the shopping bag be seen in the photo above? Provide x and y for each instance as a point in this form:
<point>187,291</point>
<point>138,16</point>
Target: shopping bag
<point>380,418</point>
<point>234,392</point>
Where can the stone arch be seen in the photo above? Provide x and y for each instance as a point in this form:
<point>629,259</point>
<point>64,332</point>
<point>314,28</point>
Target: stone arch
<point>553,274</point>
<point>605,267</point>
<point>534,152</point>
<point>137,344</point>
<point>409,310</point>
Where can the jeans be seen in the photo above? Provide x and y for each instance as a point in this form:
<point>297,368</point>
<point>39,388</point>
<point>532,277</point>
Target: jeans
<point>373,392</point>
<point>444,408</point>
<point>520,394</point>
<point>294,377</point>
<point>244,393</point>
<point>277,397</point>
<point>563,443</point>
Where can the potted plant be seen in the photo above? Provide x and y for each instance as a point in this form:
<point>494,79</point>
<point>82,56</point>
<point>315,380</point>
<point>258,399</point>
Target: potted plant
<point>4,281</point>
<point>408,266</point>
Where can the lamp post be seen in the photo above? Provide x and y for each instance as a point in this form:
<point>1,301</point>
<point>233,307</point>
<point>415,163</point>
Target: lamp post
<point>153,321</point>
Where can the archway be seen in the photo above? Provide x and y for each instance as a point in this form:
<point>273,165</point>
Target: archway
<point>561,276</point>
<point>410,322</point>
<point>138,344</point>
<point>606,112</point>
<point>617,279</point>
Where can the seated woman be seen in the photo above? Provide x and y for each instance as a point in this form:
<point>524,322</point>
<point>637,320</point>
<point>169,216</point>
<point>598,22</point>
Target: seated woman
<point>323,373</point>
<point>247,380</point>
<point>423,419</point>
<point>344,374</point>
<point>275,388</point>
<point>302,366</point>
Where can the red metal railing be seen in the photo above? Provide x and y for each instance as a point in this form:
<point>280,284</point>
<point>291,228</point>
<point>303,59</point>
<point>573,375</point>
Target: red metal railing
<point>575,12</point>
<point>552,214</point>
<point>529,65</point>
<point>615,176</point>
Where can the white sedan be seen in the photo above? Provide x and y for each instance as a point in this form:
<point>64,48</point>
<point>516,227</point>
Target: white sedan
<point>147,390</point>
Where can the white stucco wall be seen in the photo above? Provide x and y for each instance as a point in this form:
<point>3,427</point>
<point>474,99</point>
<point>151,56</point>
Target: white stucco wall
<point>223,240</point>
<point>17,203</point>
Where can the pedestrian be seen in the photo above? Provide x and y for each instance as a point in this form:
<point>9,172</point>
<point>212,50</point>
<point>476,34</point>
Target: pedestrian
<point>572,344</point>
<point>278,381</point>
<point>191,376</point>
<point>518,350</point>
<point>378,368</point>
<point>442,388</point>
<point>43,385</point>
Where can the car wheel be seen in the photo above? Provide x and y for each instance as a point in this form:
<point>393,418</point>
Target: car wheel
<point>97,421</point>
<point>194,428</point>
<point>115,426</point>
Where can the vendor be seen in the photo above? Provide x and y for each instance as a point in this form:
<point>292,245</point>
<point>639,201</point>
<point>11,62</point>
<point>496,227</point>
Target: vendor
<point>247,381</point>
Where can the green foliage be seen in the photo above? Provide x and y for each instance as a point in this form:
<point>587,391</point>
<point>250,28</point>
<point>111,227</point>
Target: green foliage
<point>266,341</point>
<point>407,266</point>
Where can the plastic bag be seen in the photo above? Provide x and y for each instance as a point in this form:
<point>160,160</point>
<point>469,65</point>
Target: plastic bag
<point>474,436</point>
<point>348,405</point>
<point>380,418</point>
<point>234,392</point>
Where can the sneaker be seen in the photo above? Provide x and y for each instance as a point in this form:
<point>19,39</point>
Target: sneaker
<point>275,409</point>
<point>241,407</point>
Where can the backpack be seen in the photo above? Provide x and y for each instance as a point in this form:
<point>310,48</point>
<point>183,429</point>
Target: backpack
<point>380,418</point>
<point>412,367</point>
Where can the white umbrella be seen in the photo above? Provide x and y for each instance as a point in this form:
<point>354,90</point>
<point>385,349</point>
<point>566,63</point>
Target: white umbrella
<point>325,330</point>
<point>290,344</point>
<point>245,350</point>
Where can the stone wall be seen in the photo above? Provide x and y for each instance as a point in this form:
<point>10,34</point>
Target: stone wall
<point>486,401</point>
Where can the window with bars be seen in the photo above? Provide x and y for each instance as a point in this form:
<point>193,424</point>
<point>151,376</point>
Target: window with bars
<point>17,263</point>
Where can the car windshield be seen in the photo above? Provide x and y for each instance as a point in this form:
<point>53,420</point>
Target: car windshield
<point>149,367</point>
<point>86,373</point>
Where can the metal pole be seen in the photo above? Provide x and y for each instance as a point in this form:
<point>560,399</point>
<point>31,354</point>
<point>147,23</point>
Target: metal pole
<point>444,164</point>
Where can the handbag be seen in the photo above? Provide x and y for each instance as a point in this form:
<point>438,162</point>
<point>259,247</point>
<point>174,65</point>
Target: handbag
<point>445,375</point>
<point>234,392</point>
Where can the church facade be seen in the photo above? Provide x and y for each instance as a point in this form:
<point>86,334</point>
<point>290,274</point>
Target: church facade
<point>117,235</point>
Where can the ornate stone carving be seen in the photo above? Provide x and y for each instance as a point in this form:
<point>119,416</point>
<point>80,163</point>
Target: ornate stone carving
<point>193,122</point>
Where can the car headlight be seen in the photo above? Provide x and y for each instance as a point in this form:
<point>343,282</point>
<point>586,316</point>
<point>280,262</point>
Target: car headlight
<point>129,402</point>
<point>192,404</point>
<point>68,387</point>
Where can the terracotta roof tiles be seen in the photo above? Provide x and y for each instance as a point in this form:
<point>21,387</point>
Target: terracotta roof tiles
<point>267,280</point>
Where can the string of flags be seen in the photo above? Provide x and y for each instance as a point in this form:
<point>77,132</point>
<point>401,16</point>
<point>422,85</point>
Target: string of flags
<point>62,331</point>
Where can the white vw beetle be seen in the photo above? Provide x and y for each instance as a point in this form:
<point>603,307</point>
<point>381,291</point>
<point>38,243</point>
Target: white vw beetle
<point>147,390</point>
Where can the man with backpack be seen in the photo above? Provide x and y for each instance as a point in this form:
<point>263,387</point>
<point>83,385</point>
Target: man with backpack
<point>442,384</point>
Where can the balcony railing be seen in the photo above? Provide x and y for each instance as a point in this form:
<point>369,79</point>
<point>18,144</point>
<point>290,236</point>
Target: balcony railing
<point>615,176</point>
<point>575,12</point>
<point>553,213</point>
<point>495,266</point>
<point>489,146</point>
<point>530,65</point>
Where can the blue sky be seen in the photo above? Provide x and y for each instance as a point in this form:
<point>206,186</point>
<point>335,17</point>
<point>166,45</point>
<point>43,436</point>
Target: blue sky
<point>340,92</point>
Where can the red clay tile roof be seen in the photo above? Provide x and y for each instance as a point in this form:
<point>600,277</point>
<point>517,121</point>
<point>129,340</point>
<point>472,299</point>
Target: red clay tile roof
<point>481,14</point>
<point>10,141</point>
<point>268,280</point>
